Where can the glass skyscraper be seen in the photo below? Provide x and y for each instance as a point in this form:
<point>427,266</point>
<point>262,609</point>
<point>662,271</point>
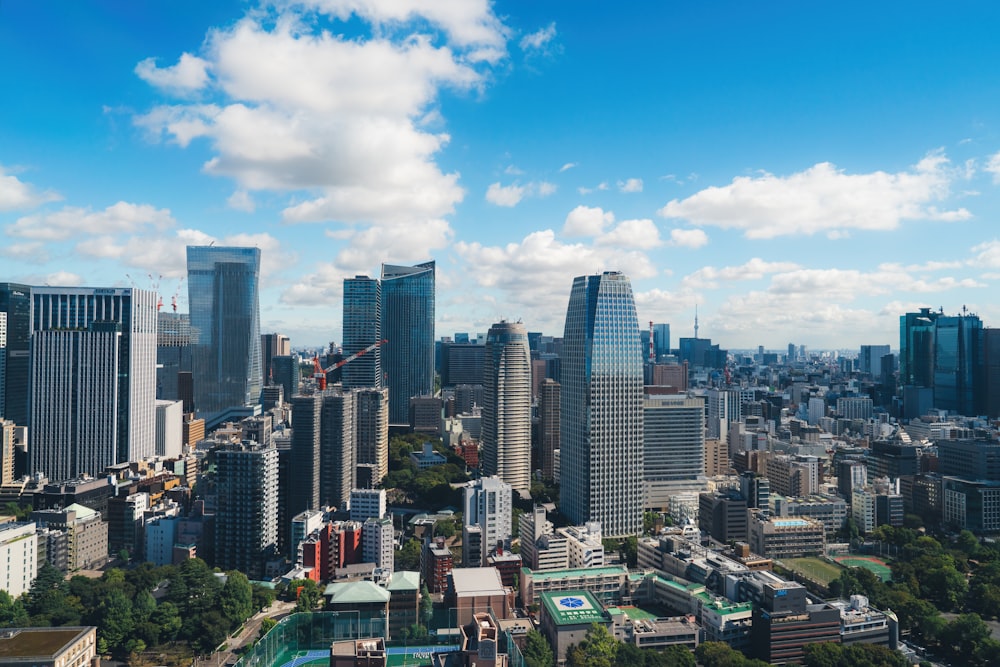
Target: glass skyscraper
<point>362,327</point>
<point>15,302</point>
<point>506,428</point>
<point>958,364</point>
<point>223,294</point>
<point>916,348</point>
<point>408,326</point>
<point>601,452</point>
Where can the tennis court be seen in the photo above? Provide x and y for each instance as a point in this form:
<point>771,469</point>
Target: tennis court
<point>818,570</point>
<point>876,565</point>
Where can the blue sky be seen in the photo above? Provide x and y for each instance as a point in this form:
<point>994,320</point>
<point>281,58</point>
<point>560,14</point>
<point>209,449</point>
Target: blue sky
<point>802,172</point>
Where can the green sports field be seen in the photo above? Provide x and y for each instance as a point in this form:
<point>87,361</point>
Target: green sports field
<point>876,565</point>
<point>817,569</point>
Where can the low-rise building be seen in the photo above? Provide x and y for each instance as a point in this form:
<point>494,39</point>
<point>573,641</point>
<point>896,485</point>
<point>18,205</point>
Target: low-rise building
<point>478,589</point>
<point>404,603</point>
<point>566,616</point>
<point>607,584</point>
<point>72,646</point>
<point>18,557</point>
<point>786,538</point>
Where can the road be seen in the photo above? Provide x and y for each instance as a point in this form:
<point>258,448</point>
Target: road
<point>277,611</point>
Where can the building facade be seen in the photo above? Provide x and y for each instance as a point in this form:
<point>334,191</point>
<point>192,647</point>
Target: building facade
<point>362,327</point>
<point>506,426</point>
<point>487,519</point>
<point>601,427</point>
<point>15,304</point>
<point>223,297</point>
<point>246,518</point>
<point>408,326</point>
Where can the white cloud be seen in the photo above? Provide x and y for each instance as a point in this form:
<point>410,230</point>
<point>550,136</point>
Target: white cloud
<point>639,234</point>
<point>987,254</point>
<point>63,278</point>
<point>822,199</point>
<point>70,221</point>
<point>600,187</point>
<point>709,277</point>
<point>188,75</point>
<point>993,167</point>
<point>511,195</point>
<point>568,166</point>
<point>537,40</point>
<point>630,185</point>
<point>15,194</point>
<point>688,238</point>
<point>586,221</point>
<point>512,170</point>
<point>504,195</point>
<point>241,200</point>
<point>34,252</point>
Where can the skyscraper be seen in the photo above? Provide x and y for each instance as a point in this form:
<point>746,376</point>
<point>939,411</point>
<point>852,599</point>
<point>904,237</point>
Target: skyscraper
<point>372,426</point>
<point>673,447</point>
<point>225,324</point>
<point>408,325</point>
<point>306,458</point>
<point>272,345</point>
<point>246,518</point>
<point>93,379</point>
<point>362,327</point>
<point>338,447</point>
<point>916,348</point>
<point>15,303</point>
<point>506,434</point>
<point>548,425</point>
<point>601,460</point>
<point>958,379</point>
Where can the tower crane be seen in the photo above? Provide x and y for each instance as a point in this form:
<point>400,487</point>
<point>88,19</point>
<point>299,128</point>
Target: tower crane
<point>320,372</point>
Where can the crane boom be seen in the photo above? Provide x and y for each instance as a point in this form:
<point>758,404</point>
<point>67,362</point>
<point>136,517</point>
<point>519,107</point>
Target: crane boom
<point>321,372</point>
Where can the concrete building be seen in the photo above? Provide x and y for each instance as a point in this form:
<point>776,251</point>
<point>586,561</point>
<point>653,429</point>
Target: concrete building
<point>18,557</point>
<point>541,547</point>
<point>673,448</point>
<point>377,540</point>
<point>436,563</point>
<point>404,602</point>
<point>506,427</point>
<point>487,519</point>
<point>608,584</point>
<point>723,515</point>
<point>367,504</point>
<point>364,600</point>
<point>246,517</point>
<point>86,535</point>
<point>169,428</point>
<point>338,447</point>
<point>566,617</point>
<point>70,646</point>
<point>372,428</point>
<point>786,538</point>
<point>548,425</point>
<point>478,589</point>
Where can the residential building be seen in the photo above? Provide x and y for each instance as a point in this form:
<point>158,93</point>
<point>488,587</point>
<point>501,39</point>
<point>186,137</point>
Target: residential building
<point>367,504</point>
<point>601,460</point>
<point>86,535</point>
<point>487,519</point>
<point>169,428</point>
<point>18,557</point>
<point>377,542</point>
<point>273,345</point>
<point>436,563</point>
<point>548,425</point>
<point>338,446</point>
<point>408,325</point>
<point>372,430</point>
<point>246,516</point>
<point>506,426</point>
<point>223,297</point>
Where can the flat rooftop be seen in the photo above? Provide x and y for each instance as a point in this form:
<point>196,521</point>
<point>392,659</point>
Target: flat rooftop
<point>573,608</point>
<point>39,642</point>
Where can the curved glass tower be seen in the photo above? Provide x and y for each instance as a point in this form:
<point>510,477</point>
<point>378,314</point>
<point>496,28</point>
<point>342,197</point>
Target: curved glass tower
<point>506,434</point>
<point>601,451</point>
<point>225,329</point>
<point>408,326</point>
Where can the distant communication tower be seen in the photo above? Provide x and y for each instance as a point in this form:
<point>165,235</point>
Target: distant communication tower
<point>652,354</point>
<point>696,321</point>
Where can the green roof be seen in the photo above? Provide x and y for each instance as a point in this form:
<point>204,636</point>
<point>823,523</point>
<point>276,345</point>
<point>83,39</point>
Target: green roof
<point>39,643</point>
<point>82,512</point>
<point>573,608</point>
<point>404,581</point>
<point>613,570</point>
<point>723,606</point>
<point>356,592</point>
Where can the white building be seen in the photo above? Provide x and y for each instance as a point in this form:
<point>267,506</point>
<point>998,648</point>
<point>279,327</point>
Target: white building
<point>169,428</point>
<point>506,426</point>
<point>583,545</point>
<point>367,504</point>
<point>673,439</point>
<point>487,519</point>
<point>377,543</point>
<point>18,557</point>
<point>161,535</point>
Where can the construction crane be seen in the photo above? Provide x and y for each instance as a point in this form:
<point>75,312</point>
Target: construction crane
<point>177,293</point>
<point>320,372</point>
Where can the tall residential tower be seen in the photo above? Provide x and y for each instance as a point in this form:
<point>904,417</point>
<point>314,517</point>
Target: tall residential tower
<point>506,427</point>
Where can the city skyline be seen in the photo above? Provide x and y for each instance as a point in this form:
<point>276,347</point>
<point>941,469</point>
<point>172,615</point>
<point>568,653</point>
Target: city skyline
<point>799,175</point>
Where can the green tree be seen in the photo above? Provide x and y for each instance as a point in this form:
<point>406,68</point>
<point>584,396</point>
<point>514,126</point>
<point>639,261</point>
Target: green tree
<point>116,622</point>
<point>211,631</point>
<point>678,656</point>
<point>599,648</point>
<point>12,612</point>
<point>537,651</point>
<point>426,605</point>
<point>262,597</point>
<point>168,619</point>
<point>236,598</point>
<point>408,557</point>
<point>266,624</point>
<point>307,594</point>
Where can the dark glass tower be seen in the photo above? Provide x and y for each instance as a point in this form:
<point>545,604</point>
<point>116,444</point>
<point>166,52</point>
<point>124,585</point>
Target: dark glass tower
<point>916,348</point>
<point>362,327</point>
<point>601,452</point>
<point>958,364</point>
<point>15,302</point>
<point>408,326</point>
<point>225,329</point>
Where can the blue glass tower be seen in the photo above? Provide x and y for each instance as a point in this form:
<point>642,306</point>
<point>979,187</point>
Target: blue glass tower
<point>362,327</point>
<point>958,364</point>
<point>408,326</point>
<point>15,303</point>
<point>225,329</point>
<point>601,423</point>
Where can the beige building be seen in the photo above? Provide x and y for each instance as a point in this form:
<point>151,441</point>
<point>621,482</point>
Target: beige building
<point>87,534</point>
<point>49,647</point>
<point>479,589</point>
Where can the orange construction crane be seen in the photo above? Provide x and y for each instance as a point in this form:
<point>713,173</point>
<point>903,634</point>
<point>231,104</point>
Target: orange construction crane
<point>320,373</point>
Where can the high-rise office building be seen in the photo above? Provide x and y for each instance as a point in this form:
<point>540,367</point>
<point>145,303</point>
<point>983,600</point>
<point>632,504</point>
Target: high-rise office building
<point>601,459</point>
<point>372,428</point>
<point>15,304</point>
<point>548,425</point>
<point>246,518</point>
<point>285,373</point>
<point>958,379</point>
<point>870,359</point>
<point>173,356</point>
<point>673,447</point>
<point>93,379</point>
<point>916,348</point>
<point>408,326</point>
<point>223,294</point>
<point>362,328</point>
<point>506,426</point>
<point>3,362</point>
<point>272,345</point>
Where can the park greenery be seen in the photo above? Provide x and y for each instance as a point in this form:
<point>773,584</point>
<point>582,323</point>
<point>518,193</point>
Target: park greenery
<point>424,488</point>
<point>170,607</point>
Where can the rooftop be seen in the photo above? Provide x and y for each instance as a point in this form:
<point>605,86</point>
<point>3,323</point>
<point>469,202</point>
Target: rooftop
<point>476,580</point>
<point>39,642</point>
<point>404,581</point>
<point>612,570</point>
<point>573,608</point>
<point>356,592</point>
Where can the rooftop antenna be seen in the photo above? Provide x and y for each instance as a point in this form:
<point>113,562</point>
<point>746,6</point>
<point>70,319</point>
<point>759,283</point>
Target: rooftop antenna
<point>696,321</point>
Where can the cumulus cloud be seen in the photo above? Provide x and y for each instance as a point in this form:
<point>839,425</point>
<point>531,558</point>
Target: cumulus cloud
<point>538,40</point>
<point>987,254</point>
<point>993,167</point>
<point>188,75</point>
<point>241,200</point>
<point>630,185</point>
<point>641,233</point>
<point>34,252</point>
<point>753,269</point>
<point>586,221</point>
<point>15,194</point>
<point>823,199</point>
<point>123,217</point>
<point>688,238</point>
